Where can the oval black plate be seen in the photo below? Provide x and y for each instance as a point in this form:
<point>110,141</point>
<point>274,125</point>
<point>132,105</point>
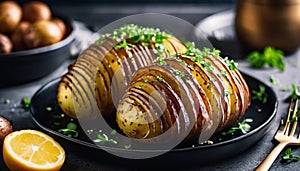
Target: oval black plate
<point>232,145</point>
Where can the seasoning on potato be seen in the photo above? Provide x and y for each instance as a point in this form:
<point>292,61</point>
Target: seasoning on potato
<point>5,44</point>
<point>5,128</point>
<point>34,11</point>
<point>10,16</point>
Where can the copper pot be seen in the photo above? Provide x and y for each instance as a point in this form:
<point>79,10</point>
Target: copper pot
<point>275,23</point>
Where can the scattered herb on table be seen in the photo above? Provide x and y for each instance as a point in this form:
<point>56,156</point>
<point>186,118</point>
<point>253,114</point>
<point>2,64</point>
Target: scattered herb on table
<point>6,101</point>
<point>25,102</point>
<point>270,57</point>
<point>70,131</point>
<point>260,94</point>
<point>243,126</point>
<point>288,156</point>
<point>274,81</point>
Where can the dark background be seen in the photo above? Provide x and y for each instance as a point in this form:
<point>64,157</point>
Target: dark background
<point>132,1</point>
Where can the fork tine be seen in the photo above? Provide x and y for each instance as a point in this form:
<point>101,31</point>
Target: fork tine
<point>287,121</point>
<point>296,121</point>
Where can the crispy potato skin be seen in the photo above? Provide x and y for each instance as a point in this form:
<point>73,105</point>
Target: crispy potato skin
<point>206,100</point>
<point>102,73</point>
<point>147,98</point>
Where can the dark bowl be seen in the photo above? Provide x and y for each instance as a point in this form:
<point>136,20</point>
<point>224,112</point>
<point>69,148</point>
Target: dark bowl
<point>28,65</point>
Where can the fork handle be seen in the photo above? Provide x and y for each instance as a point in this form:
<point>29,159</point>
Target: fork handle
<point>268,161</point>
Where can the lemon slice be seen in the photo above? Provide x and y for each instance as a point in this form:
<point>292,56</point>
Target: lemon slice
<point>32,150</point>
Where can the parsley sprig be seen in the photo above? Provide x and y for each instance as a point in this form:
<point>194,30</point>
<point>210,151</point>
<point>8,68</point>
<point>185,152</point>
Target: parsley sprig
<point>243,126</point>
<point>260,94</point>
<point>288,156</point>
<point>270,57</point>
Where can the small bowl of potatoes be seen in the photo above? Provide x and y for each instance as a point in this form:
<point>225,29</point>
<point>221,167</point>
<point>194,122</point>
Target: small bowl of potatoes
<point>33,41</point>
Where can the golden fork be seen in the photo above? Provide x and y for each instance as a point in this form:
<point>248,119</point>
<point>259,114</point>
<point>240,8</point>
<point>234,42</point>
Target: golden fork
<point>285,135</point>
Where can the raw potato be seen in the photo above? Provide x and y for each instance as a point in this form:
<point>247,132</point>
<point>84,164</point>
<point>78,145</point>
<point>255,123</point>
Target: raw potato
<point>34,11</point>
<point>10,16</point>
<point>5,128</point>
<point>5,44</point>
<point>19,34</point>
<point>60,24</point>
<point>43,33</point>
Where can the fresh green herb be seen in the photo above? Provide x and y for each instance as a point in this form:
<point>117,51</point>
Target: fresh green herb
<point>70,131</point>
<point>207,66</point>
<point>193,51</point>
<point>288,156</point>
<point>101,39</point>
<point>271,57</point>
<point>113,132</point>
<point>181,74</point>
<point>224,73</point>
<point>25,102</point>
<point>103,138</point>
<point>260,94</point>
<point>274,81</point>
<point>136,34</point>
<point>141,85</point>
<point>161,60</point>
<point>48,109</point>
<point>295,92</point>
<point>160,79</point>
<point>231,64</point>
<point>295,116</point>
<point>284,88</point>
<point>243,126</point>
<point>123,45</point>
<point>228,92</point>
<point>146,81</point>
<point>6,101</point>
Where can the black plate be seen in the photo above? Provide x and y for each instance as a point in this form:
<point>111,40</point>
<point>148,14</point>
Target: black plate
<point>261,113</point>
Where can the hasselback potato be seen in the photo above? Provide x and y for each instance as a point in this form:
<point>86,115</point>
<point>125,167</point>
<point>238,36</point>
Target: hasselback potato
<point>156,83</point>
<point>195,93</point>
<point>97,80</point>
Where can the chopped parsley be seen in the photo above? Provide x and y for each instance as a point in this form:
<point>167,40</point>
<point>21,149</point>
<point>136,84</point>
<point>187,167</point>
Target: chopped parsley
<point>181,74</point>
<point>70,131</point>
<point>274,81</point>
<point>25,102</point>
<point>231,64</point>
<point>243,127</point>
<point>228,92</point>
<point>160,79</point>
<point>270,57</point>
<point>260,94</point>
<point>136,34</point>
<point>288,156</point>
